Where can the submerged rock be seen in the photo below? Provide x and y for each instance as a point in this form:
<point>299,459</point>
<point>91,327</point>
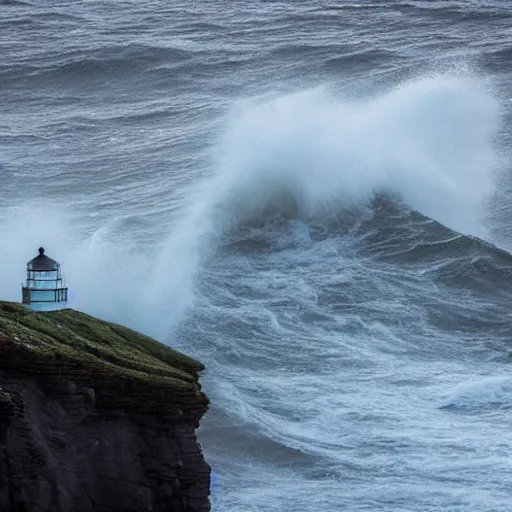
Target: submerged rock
<point>96,417</point>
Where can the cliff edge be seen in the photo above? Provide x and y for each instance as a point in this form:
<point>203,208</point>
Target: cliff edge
<point>96,417</point>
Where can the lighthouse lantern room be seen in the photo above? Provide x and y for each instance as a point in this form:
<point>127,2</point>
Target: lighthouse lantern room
<point>44,289</point>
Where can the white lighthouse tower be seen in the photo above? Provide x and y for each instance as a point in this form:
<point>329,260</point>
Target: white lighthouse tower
<point>44,289</point>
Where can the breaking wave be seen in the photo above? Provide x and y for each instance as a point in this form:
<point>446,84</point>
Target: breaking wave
<point>307,155</point>
<point>312,154</point>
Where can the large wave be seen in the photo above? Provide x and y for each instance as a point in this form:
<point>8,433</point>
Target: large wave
<point>311,154</point>
<point>429,142</point>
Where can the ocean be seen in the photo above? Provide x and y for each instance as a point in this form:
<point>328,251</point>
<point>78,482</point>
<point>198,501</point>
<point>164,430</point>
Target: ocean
<point>314,199</point>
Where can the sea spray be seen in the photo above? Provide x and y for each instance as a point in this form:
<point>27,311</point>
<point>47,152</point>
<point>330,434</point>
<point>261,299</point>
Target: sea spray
<point>310,154</point>
<point>305,155</point>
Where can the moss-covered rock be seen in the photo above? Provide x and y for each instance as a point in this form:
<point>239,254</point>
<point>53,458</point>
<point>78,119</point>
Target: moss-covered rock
<point>126,368</point>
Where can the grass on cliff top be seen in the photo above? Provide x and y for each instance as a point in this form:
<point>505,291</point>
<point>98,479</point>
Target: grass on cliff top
<point>71,336</point>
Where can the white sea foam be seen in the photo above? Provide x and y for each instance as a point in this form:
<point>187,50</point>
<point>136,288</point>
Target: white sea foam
<point>308,154</point>
<point>486,392</point>
<point>312,154</point>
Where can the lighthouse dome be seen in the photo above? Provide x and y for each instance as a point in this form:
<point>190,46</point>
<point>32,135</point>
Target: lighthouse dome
<point>42,263</point>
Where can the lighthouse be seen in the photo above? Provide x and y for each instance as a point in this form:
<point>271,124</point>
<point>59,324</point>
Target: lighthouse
<point>44,289</point>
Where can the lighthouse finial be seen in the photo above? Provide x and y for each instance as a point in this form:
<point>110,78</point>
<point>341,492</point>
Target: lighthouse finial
<point>41,251</point>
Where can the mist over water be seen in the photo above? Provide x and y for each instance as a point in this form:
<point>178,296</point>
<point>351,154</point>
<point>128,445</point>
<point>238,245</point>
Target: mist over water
<point>308,210</point>
<point>307,155</point>
<point>428,141</point>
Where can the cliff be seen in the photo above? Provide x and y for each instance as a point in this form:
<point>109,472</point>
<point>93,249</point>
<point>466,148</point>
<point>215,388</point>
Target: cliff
<point>96,417</point>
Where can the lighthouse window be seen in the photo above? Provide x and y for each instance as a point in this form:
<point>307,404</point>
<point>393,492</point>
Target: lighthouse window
<point>43,275</point>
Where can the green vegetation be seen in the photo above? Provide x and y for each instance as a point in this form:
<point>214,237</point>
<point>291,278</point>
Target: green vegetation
<point>69,342</point>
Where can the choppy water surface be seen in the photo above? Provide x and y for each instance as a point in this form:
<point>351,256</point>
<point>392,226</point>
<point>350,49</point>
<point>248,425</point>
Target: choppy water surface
<point>313,198</point>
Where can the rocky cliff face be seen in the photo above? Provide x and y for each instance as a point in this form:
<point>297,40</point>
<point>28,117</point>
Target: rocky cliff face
<point>96,417</point>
